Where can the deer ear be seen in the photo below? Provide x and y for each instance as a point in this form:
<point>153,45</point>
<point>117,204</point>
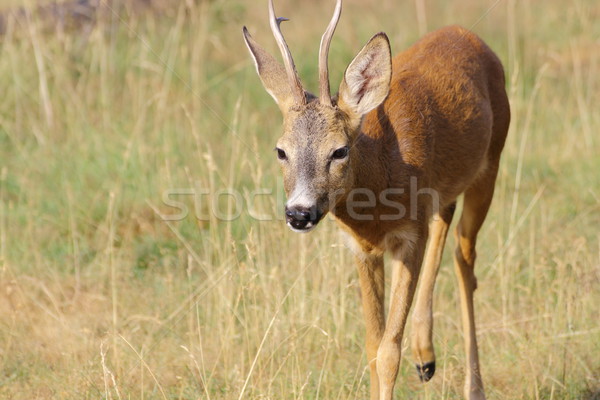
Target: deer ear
<point>271,73</point>
<point>366,81</point>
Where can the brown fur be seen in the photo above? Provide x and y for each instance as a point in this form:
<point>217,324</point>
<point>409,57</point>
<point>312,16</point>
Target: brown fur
<point>443,113</point>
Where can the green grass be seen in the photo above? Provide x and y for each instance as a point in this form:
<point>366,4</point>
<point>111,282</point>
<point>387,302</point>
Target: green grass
<point>102,299</point>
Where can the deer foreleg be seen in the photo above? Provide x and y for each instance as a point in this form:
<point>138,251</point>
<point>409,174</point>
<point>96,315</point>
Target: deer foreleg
<point>407,258</point>
<point>372,287</point>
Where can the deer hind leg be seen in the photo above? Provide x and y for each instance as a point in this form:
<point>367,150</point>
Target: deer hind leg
<point>372,288</point>
<point>422,317</point>
<point>477,201</point>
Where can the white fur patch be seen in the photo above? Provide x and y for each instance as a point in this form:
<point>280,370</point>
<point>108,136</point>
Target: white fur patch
<point>401,240</point>
<point>354,247</point>
<point>301,196</point>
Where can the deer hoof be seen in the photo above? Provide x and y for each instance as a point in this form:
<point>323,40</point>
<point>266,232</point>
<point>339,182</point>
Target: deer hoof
<point>426,371</point>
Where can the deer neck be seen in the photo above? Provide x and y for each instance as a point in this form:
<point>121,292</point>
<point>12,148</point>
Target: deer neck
<point>370,176</point>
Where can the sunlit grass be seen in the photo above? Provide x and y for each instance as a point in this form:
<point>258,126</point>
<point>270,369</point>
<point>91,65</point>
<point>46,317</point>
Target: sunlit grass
<point>101,298</point>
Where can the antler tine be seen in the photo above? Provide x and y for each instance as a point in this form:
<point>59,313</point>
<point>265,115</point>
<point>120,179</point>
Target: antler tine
<point>288,61</point>
<point>325,95</point>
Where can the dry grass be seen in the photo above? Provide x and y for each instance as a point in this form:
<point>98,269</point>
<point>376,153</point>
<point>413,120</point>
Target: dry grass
<point>101,298</point>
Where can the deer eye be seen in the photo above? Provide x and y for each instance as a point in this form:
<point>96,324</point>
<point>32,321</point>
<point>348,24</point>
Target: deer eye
<point>340,153</point>
<point>281,154</point>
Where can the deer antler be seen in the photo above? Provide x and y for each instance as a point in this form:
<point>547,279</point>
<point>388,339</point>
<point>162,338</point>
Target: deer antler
<point>288,61</point>
<point>325,95</point>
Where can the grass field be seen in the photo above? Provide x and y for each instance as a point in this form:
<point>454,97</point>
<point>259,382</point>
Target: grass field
<point>100,298</point>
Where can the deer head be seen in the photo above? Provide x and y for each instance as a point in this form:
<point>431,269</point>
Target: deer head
<point>316,150</point>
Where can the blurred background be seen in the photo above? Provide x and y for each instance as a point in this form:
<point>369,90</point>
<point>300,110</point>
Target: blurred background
<point>115,114</point>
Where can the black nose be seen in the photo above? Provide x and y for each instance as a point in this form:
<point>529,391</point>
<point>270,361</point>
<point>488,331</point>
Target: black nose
<point>301,217</point>
<point>298,215</point>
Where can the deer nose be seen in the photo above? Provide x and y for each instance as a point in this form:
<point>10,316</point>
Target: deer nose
<point>298,215</point>
<point>301,218</point>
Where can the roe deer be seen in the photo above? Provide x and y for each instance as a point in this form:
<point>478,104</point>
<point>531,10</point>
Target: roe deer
<point>432,120</point>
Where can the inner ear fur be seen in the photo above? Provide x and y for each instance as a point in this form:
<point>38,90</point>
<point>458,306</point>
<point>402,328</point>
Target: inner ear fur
<point>366,81</point>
